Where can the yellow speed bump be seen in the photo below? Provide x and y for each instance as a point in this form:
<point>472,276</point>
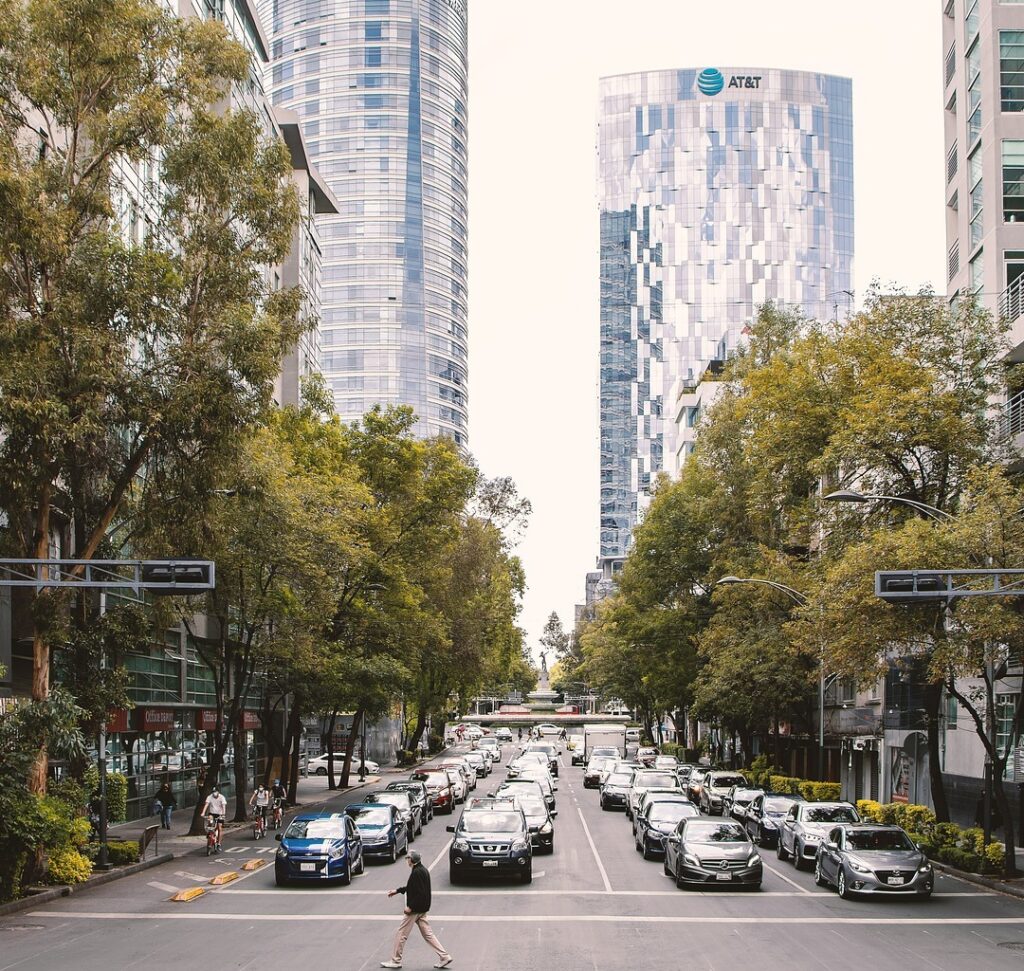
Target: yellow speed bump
<point>253,864</point>
<point>222,878</point>
<point>185,895</point>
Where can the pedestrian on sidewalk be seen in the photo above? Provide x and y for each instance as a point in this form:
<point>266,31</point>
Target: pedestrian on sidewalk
<point>167,803</point>
<point>417,903</point>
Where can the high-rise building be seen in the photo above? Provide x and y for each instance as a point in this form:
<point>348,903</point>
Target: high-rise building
<point>720,189</point>
<point>380,87</point>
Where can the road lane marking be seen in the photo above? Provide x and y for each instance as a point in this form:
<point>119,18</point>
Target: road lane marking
<point>439,857</point>
<point>165,887</point>
<point>490,892</point>
<point>792,883</point>
<point>191,876</point>
<point>590,840</point>
<point>263,918</point>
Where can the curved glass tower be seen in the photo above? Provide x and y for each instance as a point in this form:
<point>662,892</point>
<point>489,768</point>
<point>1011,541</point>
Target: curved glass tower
<point>720,189</point>
<point>381,90</point>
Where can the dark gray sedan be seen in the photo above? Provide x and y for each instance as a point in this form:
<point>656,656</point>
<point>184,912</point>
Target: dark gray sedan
<point>656,820</point>
<point>872,859</point>
<point>716,852</point>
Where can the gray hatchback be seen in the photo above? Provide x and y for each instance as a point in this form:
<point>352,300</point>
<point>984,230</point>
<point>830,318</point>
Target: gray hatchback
<point>872,859</point>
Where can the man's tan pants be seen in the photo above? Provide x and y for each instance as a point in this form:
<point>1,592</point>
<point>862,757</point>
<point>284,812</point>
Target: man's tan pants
<point>420,920</point>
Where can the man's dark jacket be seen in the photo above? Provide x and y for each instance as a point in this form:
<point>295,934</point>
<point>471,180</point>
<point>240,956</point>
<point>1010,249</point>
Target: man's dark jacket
<point>417,890</point>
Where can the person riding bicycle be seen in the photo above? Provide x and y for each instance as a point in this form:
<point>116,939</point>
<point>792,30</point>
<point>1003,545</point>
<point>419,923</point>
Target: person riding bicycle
<point>278,794</point>
<point>260,803</point>
<point>216,807</point>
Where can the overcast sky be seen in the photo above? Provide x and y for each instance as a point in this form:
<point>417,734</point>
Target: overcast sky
<point>534,325</point>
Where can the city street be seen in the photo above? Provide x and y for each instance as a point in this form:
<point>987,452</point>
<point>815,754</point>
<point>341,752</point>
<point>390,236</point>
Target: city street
<point>594,904</point>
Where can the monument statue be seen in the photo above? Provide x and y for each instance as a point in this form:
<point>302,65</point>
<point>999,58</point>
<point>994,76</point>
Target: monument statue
<point>544,663</point>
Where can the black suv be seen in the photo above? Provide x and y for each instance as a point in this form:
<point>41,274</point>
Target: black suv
<point>492,838</point>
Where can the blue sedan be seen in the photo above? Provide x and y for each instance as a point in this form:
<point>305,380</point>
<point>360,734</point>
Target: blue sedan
<point>319,846</point>
<point>384,833</point>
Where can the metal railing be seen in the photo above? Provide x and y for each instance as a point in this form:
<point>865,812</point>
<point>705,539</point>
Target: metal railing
<point>950,63</point>
<point>951,164</point>
<point>1012,419</point>
<point>1011,300</point>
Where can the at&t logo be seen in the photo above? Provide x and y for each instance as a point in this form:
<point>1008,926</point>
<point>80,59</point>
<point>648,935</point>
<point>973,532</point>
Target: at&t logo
<point>711,81</point>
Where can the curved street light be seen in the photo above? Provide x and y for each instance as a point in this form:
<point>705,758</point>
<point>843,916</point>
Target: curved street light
<point>851,495</point>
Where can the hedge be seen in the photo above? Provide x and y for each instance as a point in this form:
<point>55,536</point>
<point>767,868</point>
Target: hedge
<point>810,790</point>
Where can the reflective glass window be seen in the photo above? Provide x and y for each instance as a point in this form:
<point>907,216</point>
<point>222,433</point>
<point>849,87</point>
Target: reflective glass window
<point>1011,70</point>
<point>1013,180</point>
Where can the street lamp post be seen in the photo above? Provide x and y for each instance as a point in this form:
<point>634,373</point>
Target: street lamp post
<point>801,601</point>
<point>850,495</point>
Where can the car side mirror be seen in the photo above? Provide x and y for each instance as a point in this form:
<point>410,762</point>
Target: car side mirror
<point>278,837</point>
<point>554,812</point>
<point>831,846</point>
<point>451,829</point>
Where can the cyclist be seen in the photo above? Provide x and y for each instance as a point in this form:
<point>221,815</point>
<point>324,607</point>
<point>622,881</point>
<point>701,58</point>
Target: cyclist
<point>259,803</point>
<point>278,793</point>
<point>216,807</point>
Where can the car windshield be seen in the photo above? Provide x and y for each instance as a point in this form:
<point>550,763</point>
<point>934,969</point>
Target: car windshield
<point>491,822</point>
<point>546,749</point>
<point>727,781</point>
<point>744,795</point>
<point>535,775</point>
<point>777,805</point>
<point>684,772</point>
<point>399,799</point>
<point>713,833</point>
<point>432,778</point>
<point>879,840</point>
<point>605,750</point>
<point>649,779</point>
<point>474,757</point>
<point>620,778</point>
<point>671,812</point>
<point>315,829</point>
<point>830,814</point>
<point>370,815</point>
<point>413,793</point>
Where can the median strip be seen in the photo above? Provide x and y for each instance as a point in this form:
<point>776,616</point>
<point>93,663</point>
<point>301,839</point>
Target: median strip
<point>183,896</point>
<point>254,864</point>
<point>222,878</point>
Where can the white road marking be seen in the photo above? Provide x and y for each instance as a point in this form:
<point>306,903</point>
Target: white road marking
<point>165,887</point>
<point>192,876</point>
<point>478,894</point>
<point>440,856</point>
<point>590,840</point>
<point>792,883</point>
<point>263,918</point>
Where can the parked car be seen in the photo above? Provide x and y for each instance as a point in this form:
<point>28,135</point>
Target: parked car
<point>717,852</point>
<point>633,735</point>
<point>420,797</point>
<point>737,801</point>
<point>765,815</point>
<point>656,820</point>
<point>695,783</point>
<point>491,839</point>
<point>439,787</point>
<point>381,828</point>
<point>318,764</point>
<point>319,846</point>
<point>805,825</point>
<point>715,788</point>
<point>402,801</point>
<point>615,789</point>
<point>872,859</point>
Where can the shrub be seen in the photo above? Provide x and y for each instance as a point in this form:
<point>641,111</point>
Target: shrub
<point>405,756</point>
<point>123,852</point>
<point>994,858</point>
<point>13,861</point>
<point>784,783</point>
<point>888,812</point>
<point>761,771</point>
<point>946,834</point>
<point>972,840</point>
<point>691,755</point>
<point>820,791</point>
<point>868,809</point>
<point>435,742</point>
<point>914,817</point>
<point>68,866</point>
<point>117,792</point>
<point>961,859</point>
<point>671,748</point>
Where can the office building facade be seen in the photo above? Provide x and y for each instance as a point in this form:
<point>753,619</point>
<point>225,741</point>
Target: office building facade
<point>720,189</point>
<point>381,90</point>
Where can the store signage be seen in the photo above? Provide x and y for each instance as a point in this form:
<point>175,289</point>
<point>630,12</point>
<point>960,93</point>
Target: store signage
<point>206,720</point>
<point>117,721</point>
<point>711,81</point>
<point>156,719</point>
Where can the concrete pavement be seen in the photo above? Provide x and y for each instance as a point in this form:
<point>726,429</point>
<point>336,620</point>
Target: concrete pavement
<point>593,904</point>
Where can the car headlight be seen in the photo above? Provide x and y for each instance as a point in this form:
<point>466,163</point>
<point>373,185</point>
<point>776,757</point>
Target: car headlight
<point>858,866</point>
<point>547,828</point>
<point>690,859</point>
<point>753,859</point>
<point>925,868</point>
<point>767,823</point>
<point>520,845</point>
<point>336,852</point>
<point>461,845</point>
<point>282,853</point>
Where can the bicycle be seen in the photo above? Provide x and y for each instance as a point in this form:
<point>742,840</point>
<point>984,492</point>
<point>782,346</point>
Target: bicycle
<point>278,813</point>
<point>213,834</point>
<point>259,825</point>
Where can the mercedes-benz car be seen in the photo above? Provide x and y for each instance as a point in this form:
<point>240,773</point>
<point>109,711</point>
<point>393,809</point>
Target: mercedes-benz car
<point>656,820</point>
<point>806,825</point>
<point>381,828</point>
<point>491,838</point>
<point>712,851</point>
<point>872,859</point>
<point>319,846</point>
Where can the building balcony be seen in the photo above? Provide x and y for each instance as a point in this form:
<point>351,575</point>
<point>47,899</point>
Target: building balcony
<point>1011,420</point>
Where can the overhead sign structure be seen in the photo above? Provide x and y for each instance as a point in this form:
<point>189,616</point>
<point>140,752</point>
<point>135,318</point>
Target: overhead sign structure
<point>158,577</point>
<point>945,586</point>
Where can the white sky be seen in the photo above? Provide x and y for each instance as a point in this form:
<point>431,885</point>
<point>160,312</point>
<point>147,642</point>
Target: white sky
<point>533,278</point>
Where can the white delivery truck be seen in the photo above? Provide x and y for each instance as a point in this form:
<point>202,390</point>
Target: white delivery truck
<point>603,736</point>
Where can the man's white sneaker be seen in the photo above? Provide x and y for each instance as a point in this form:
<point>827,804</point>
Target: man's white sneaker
<point>444,963</point>
<point>390,964</point>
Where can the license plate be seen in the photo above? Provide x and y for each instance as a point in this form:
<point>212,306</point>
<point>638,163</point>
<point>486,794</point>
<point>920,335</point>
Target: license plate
<point>490,862</point>
<point>895,881</point>
<point>307,867</point>
<point>723,876</point>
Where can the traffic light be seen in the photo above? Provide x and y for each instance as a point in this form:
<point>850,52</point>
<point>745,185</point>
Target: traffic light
<point>911,586</point>
<point>166,577</point>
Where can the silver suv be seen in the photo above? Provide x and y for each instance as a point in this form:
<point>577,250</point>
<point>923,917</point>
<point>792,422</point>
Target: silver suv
<point>806,825</point>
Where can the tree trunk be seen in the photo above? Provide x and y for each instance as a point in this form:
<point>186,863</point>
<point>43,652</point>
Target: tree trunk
<point>294,747</point>
<point>330,749</point>
<point>241,771</point>
<point>932,700</point>
<point>1010,859</point>
<point>357,724</point>
<point>417,734</point>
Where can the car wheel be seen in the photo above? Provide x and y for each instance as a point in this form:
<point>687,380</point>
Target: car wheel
<point>604,805</point>
<point>453,877</point>
<point>664,866</point>
<point>346,878</point>
<point>798,855</point>
<point>780,850</point>
<point>280,879</point>
<point>924,895</point>
<point>394,851</point>
<point>527,876</point>
<point>819,878</point>
<point>680,882</point>
<point>358,871</point>
<point>646,851</point>
<point>842,887</point>
<point>321,771</point>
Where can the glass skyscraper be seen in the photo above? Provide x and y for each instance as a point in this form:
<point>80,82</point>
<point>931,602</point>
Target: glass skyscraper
<point>720,189</point>
<point>381,89</point>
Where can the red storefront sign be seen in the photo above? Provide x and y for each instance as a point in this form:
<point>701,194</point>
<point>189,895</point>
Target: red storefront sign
<point>206,720</point>
<point>117,721</point>
<point>156,719</point>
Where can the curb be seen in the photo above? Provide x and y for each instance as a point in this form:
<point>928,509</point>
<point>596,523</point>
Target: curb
<point>97,881</point>
<point>1011,890</point>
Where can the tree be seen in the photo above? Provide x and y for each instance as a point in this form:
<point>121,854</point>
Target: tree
<point>125,365</point>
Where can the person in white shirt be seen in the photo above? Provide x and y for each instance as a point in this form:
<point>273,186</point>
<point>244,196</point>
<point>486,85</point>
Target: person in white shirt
<point>260,802</point>
<point>216,807</point>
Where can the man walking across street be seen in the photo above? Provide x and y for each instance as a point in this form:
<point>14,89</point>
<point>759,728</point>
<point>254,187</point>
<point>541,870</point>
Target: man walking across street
<point>417,903</point>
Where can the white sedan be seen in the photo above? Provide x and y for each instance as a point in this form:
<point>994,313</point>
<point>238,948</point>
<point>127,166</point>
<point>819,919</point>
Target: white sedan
<point>318,765</point>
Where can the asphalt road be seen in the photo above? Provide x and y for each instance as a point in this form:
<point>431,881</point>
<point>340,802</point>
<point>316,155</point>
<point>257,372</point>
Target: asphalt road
<point>594,904</point>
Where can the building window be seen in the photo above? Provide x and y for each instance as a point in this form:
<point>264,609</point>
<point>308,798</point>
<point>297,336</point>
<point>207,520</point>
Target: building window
<point>953,261</point>
<point>952,709</point>
<point>974,183</point>
<point>372,57</point>
<point>1013,180</point>
<point>1011,70</point>
<point>1006,709</point>
<point>971,21</point>
<point>977,276</point>
<point>373,30</point>
<point>973,93</point>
